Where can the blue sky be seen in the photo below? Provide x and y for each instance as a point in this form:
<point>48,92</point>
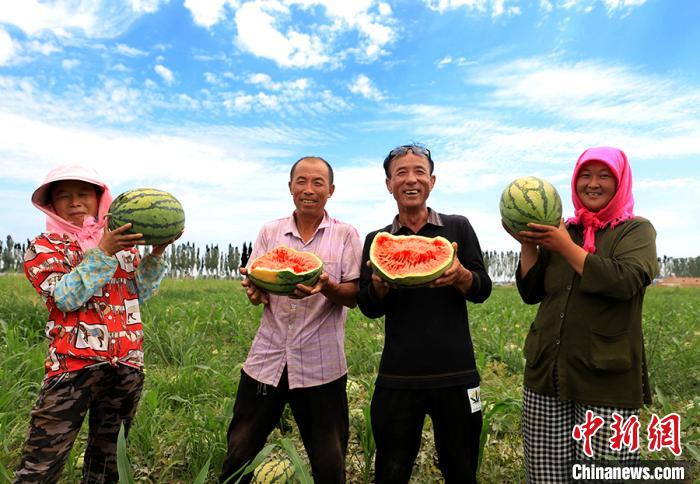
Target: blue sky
<point>214,99</point>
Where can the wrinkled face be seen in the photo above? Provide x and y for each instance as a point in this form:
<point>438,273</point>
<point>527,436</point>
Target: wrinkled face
<point>595,185</point>
<point>410,181</point>
<point>310,187</point>
<point>73,200</point>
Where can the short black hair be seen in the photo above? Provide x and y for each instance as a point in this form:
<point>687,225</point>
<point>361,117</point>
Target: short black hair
<point>415,148</point>
<point>330,168</point>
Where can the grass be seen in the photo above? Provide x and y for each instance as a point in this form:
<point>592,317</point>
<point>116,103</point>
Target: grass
<point>198,334</point>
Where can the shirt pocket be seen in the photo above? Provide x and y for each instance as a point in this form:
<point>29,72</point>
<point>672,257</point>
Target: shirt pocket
<point>610,352</point>
<point>532,350</point>
<point>333,269</point>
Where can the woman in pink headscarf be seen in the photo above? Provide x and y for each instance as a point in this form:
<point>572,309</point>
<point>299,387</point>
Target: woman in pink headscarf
<point>92,280</point>
<point>584,352</point>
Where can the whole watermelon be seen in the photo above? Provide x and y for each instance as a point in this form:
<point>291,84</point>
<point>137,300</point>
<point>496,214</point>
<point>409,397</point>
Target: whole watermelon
<point>530,199</point>
<point>154,213</point>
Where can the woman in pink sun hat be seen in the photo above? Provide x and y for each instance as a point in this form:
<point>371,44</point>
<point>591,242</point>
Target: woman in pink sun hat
<point>92,281</point>
<point>584,352</point>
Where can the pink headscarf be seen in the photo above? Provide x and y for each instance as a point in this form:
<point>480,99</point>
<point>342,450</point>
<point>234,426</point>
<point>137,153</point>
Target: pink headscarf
<point>90,234</point>
<point>621,205</point>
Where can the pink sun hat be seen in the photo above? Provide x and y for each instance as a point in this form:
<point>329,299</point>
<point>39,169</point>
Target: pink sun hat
<point>90,234</point>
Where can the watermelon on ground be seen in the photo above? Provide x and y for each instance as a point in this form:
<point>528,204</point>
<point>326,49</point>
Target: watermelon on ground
<point>156,214</point>
<point>530,199</point>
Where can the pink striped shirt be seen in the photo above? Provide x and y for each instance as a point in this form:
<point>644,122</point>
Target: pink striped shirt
<point>307,335</point>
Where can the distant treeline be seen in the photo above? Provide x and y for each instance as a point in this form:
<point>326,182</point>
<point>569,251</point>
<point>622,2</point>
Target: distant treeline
<point>190,261</point>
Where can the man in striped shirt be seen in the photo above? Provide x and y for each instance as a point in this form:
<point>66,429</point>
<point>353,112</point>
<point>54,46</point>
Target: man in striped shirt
<point>298,355</point>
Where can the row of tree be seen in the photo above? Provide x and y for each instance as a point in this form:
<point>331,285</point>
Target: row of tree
<point>190,261</point>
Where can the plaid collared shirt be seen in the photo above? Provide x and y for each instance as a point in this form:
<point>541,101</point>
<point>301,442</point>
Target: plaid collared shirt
<point>433,219</point>
<point>307,334</point>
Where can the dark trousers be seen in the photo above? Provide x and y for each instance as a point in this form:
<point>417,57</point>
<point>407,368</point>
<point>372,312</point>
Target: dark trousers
<point>321,413</point>
<point>397,423</point>
<point>109,393</point>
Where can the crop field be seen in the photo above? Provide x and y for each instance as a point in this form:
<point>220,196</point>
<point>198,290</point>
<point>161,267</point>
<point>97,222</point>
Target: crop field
<point>197,336</point>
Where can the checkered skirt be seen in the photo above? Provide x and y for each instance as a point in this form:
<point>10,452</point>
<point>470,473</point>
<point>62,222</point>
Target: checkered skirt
<point>550,450</point>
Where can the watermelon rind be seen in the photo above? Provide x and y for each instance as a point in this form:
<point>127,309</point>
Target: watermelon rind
<point>284,281</point>
<point>156,214</point>
<point>409,279</point>
<point>530,199</point>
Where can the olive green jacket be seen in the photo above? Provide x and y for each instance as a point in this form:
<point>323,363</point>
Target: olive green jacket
<point>590,326</point>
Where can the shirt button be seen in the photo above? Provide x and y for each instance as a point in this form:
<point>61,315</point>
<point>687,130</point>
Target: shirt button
<point>568,288</point>
<point>106,294</point>
<point>561,315</point>
<point>557,341</point>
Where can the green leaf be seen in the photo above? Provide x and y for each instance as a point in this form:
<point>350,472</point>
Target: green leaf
<point>693,451</point>
<point>202,475</point>
<point>123,467</point>
<point>252,466</point>
<point>5,474</point>
<point>301,472</point>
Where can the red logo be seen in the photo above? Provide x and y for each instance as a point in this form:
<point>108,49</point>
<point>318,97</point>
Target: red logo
<point>587,430</point>
<point>625,432</point>
<point>665,433</point>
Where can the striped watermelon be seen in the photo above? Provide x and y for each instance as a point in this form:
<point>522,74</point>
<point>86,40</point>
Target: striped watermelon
<point>410,260</point>
<point>281,269</point>
<point>154,213</point>
<point>274,471</point>
<point>530,199</point>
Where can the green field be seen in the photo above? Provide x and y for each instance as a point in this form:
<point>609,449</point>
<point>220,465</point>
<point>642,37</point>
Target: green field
<point>198,333</point>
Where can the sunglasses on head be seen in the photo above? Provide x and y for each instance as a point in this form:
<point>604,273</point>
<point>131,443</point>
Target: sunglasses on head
<point>403,149</point>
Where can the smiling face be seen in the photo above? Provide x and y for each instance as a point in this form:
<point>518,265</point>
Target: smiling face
<point>410,181</point>
<point>73,200</point>
<point>596,185</point>
<point>310,187</point>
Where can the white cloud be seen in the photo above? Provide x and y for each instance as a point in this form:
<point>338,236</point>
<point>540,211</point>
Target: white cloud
<point>444,61</point>
<point>8,47</point>
<point>460,61</point>
<point>592,91</point>
<point>214,79</point>
<point>112,101</point>
<point>165,73</point>
<point>45,48</point>
<point>146,6</point>
<point>497,8</point>
<point>364,86</point>
<point>260,78</point>
<point>622,4</point>
<point>266,82</point>
<point>257,34</point>
<point>130,51</point>
<point>69,64</point>
<point>64,18</point>
<point>117,102</point>
<point>208,12</point>
<point>265,29</point>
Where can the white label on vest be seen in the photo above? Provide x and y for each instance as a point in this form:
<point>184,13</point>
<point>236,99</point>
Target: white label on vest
<point>475,399</point>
